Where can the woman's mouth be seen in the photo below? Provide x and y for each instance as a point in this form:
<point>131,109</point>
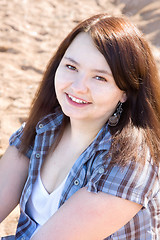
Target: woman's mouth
<point>75,100</point>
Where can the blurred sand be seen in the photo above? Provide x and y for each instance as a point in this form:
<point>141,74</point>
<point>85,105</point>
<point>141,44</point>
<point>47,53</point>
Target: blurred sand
<point>30,31</point>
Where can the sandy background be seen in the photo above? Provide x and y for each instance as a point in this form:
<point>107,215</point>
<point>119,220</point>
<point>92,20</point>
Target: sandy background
<point>30,31</point>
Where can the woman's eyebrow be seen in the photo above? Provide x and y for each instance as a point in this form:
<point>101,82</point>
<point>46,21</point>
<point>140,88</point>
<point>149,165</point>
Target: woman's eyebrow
<point>72,60</point>
<point>102,71</point>
<point>94,70</point>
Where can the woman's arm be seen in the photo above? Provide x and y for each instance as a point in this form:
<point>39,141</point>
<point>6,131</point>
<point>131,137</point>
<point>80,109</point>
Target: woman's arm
<point>88,216</point>
<point>13,173</point>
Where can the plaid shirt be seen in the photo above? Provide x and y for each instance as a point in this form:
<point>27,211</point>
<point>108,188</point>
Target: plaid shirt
<point>95,170</point>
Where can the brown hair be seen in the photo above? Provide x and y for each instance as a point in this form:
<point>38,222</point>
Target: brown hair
<point>135,72</point>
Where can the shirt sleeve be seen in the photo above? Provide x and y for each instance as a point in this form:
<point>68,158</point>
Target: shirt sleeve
<point>16,139</point>
<point>133,182</point>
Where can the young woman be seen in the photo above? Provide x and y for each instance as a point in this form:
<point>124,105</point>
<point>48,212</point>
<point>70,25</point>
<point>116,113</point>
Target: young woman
<point>85,166</point>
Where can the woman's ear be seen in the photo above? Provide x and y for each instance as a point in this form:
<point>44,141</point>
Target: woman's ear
<point>124,97</point>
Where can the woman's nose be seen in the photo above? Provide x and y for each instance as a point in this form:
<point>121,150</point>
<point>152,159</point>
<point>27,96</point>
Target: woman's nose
<point>80,84</point>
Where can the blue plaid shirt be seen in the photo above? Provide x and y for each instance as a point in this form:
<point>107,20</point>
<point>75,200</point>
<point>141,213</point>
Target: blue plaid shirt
<point>96,171</point>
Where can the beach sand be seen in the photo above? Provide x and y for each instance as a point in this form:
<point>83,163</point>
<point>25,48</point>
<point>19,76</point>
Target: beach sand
<point>30,31</point>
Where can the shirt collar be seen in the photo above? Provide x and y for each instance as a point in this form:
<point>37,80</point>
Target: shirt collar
<point>50,122</point>
<point>102,141</point>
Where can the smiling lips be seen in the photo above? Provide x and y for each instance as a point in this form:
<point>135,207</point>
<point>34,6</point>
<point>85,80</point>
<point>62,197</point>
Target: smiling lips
<point>77,100</point>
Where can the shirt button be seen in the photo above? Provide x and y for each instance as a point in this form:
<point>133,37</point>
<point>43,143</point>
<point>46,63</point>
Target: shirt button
<point>40,125</point>
<point>37,155</point>
<point>101,170</point>
<point>76,182</point>
<point>23,238</point>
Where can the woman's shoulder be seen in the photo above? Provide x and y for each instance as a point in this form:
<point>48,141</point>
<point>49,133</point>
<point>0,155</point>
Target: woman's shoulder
<point>48,122</point>
<point>134,181</point>
<point>51,120</point>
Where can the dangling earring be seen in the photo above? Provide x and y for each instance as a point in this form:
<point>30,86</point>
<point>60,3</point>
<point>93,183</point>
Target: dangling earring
<point>114,119</point>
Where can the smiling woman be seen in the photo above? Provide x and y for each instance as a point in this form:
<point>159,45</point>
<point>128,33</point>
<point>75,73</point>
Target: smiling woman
<point>85,166</point>
<point>85,87</point>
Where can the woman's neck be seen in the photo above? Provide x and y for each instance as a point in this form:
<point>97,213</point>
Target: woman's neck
<point>82,134</point>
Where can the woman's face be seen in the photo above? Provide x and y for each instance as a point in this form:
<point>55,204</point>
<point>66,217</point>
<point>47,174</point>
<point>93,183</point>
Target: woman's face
<point>84,84</point>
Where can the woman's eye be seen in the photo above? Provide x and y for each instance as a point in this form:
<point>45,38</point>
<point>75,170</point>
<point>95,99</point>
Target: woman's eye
<point>71,67</point>
<point>101,78</point>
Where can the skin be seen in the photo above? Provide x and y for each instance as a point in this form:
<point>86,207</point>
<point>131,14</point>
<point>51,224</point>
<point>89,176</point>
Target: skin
<point>85,75</point>
<point>85,215</point>
<point>13,174</point>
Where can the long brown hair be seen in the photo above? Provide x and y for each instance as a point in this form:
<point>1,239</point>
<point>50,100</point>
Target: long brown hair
<point>135,72</point>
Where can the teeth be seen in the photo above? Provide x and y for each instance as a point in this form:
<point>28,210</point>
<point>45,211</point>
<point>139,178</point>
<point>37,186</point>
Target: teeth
<point>76,100</point>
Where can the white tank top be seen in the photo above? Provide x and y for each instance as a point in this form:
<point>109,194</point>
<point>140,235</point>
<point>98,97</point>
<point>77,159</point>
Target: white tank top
<point>42,205</point>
